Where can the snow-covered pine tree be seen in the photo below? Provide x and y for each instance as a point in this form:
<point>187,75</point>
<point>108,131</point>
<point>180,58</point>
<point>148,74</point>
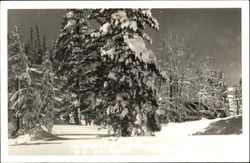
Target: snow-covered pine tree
<point>47,83</point>
<point>47,92</point>
<point>237,97</point>
<point>31,49</point>
<point>27,50</point>
<point>17,62</point>
<point>44,48</point>
<point>38,54</point>
<point>31,36</point>
<point>126,91</point>
<point>220,91</point>
<point>23,99</point>
<point>240,96</point>
<point>71,54</point>
<point>52,52</point>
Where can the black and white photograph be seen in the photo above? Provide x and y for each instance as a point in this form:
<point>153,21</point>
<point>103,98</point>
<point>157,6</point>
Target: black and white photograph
<point>126,80</point>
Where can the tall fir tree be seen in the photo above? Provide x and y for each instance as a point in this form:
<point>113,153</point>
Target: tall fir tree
<point>127,96</point>
<point>31,36</point>
<point>44,47</point>
<point>27,51</point>
<point>23,98</point>
<point>47,93</point>
<point>38,54</point>
<point>52,52</point>
<point>237,97</point>
<point>70,54</point>
<point>29,47</point>
<point>18,62</point>
<point>47,84</point>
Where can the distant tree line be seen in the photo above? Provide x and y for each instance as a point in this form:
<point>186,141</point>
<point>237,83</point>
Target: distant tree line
<point>192,88</point>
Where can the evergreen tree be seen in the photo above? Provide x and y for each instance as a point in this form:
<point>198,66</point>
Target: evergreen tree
<point>38,54</point>
<point>29,48</point>
<point>44,48</point>
<point>47,93</point>
<point>23,99</point>
<point>240,94</point>
<point>125,82</point>
<point>18,62</point>
<point>52,52</point>
<point>70,54</point>
<point>27,51</point>
<point>237,97</point>
<point>31,36</point>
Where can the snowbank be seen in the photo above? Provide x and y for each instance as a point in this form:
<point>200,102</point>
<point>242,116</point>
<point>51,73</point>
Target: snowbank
<point>220,126</point>
<point>183,129</point>
<point>226,126</point>
<point>22,139</point>
<point>36,134</point>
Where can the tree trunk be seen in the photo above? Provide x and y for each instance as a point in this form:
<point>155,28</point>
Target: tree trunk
<point>18,118</point>
<point>162,63</point>
<point>200,101</point>
<point>76,111</point>
<point>76,116</point>
<point>237,107</point>
<point>147,127</point>
<point>170,91</point>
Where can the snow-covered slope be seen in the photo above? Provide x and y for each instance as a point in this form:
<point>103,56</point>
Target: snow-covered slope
<point>183,129</point>
<point>221,126</point>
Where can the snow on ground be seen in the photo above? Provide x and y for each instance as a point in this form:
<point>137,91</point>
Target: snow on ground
<point>224,126</point>
<point>183,129</point>
<point>172,141</point>
<point>23,139</point>
<point>193,127</point>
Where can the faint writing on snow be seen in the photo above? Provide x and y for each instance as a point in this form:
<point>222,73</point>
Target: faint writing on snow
<point>97,149</point>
